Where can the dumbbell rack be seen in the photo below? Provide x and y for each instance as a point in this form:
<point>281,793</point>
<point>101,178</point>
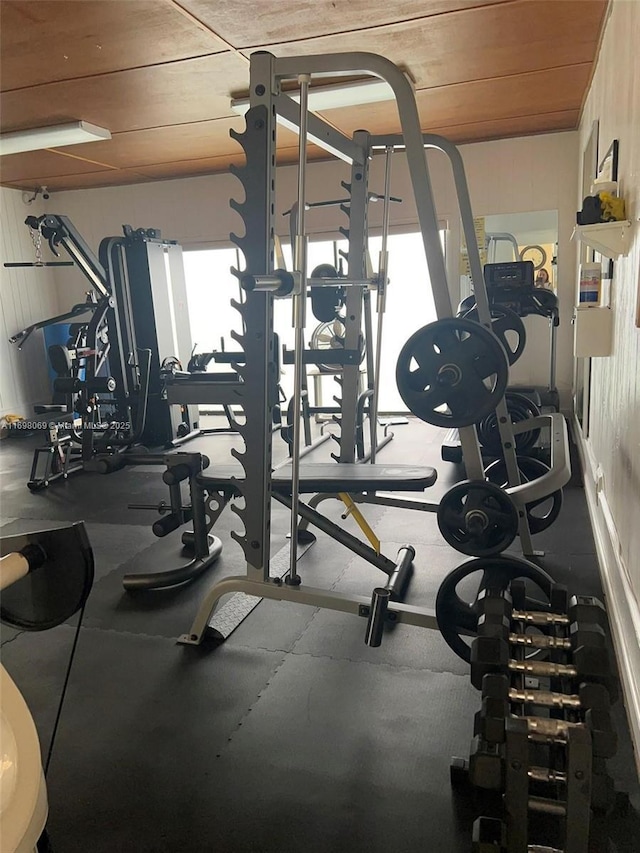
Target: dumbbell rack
<point>544,732</point>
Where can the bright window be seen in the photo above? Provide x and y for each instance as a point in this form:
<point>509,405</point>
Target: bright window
<point>211,286</point>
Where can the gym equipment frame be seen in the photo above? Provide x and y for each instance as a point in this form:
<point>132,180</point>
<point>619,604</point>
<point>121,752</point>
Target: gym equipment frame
<point>139,321</point>
<point>253,391</point>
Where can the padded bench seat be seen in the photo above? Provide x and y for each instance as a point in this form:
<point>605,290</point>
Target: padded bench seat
<point>51,409</point>
<point>331,477</point>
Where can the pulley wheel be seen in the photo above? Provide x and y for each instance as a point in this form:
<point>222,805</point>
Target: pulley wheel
<point>478,518</point>
<point>520,409</point>
<point>452,373</point>
<point>508,328</point>
<point>330,336</point>
<point>542,512</point>
<point>456,609</point>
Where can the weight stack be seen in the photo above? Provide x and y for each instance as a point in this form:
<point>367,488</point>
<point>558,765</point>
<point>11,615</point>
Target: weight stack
<point>544,732</point>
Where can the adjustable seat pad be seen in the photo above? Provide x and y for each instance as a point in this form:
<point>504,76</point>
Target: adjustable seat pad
<point>51,409</point>
<point>331,477</point>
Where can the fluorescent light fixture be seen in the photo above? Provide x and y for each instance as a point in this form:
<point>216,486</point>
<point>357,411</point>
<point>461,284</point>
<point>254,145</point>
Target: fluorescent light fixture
<point>37,138</point>
<point>333,97</point>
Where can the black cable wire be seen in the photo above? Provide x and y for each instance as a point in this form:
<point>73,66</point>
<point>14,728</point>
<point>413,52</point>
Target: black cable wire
<point>64,690</point>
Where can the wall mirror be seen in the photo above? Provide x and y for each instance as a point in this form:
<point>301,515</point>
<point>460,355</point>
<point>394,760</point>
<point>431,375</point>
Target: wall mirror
<point>531,236</point>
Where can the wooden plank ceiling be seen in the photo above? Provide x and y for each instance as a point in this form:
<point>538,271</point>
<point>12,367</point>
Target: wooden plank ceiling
<point>159,74</point>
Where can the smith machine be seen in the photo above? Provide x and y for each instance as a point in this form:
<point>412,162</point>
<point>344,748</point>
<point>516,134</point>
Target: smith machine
<point>341,303</point>
<point>461,373</point>
<point>452,372</point>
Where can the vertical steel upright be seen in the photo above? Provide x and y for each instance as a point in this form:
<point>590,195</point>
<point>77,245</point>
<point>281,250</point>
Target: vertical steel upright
<point>358,210</point>
<point>258,372</point>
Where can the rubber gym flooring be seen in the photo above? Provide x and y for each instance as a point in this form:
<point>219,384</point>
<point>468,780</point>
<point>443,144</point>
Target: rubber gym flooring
<point>292,736</point>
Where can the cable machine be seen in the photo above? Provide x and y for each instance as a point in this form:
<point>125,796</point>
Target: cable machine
<point>112,374</point>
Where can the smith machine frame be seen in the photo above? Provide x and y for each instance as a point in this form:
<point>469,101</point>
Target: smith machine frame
<point>255,390</point>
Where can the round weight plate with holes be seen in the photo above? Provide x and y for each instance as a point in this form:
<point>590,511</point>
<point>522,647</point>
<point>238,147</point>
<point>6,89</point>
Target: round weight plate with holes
<point>520,409</point>
<point>508,328</point>
<point>452,373</point>
<point>330,336</point>
<point>477,518</point>
<point>455,602</point>
<point>541,513</point>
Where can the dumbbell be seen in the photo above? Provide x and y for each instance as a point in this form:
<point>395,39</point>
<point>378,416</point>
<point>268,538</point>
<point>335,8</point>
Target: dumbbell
<point>603,791</point>
<point>486,767</point>
<point>590,661</point>
<point>488,836</point>
<point>486,763</point>
<point>558,596</point>
<point>589,696</point>
<point>489,725</point>
<point>493,604</point>
<point>580,634</point>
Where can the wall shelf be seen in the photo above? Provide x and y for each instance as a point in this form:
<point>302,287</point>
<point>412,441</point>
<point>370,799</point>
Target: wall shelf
<point>611,239</point>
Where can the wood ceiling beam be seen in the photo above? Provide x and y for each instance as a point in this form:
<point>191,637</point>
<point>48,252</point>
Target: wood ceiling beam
<point>206,28</point>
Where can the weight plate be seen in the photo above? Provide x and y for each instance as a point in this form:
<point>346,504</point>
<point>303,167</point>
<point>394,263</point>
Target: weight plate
<point>452,373</point>
<point>521,409</point>
<point>324,271</point>
<point>328,336</point>
<point>477,518</point>
<point>326,302</point>
<point>507,326</point>
<point>457,615</point>
<point>541,513</point>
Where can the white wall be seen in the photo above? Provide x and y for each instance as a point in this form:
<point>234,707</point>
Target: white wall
<point>508,176</point>
<point>612,449</point>
<point>26,296</point>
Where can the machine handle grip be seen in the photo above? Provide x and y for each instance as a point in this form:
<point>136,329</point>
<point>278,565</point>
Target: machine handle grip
<point>109,464</point>
<point>175,474</point>
<point>167,524</point>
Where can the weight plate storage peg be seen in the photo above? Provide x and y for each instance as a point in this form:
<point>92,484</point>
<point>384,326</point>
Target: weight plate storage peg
<point>542,512</point>
<point>478,518</point>
<point>452,373</point>
<point>508,328</point>
<point>457,616</point>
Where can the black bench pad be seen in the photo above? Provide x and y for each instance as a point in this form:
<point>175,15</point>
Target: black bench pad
<point>50,409</point>
<point>331,477</point>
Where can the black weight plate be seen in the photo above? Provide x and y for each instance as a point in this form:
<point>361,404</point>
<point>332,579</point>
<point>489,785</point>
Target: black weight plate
<point>456,615</point>
<point>541,513</point>
<point>521,409</point>
<point>477,518</point>
<point>326,301</point>
<point>504,321</point>
<point>452,373</point>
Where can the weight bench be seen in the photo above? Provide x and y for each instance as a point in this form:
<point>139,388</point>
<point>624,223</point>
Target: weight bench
<point>324,480</point>
<point>330,479</point>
